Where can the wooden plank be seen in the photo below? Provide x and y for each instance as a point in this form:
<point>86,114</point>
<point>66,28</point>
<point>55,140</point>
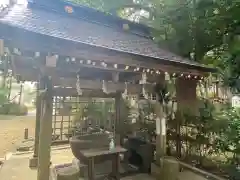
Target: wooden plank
<point>28,59</point>
<point>45,135</point>
<point>79,50</point>
<point>26,64</point>
<point>101,152</point>
<point>33,74</point>
<point>86,93</point>
<point>60,91</point>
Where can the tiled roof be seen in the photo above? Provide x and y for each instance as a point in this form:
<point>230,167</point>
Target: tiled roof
<point>84,31</point>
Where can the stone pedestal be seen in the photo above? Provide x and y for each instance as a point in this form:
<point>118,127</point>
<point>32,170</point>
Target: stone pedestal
<point>33,162</point>
<point>155,170</point>
<point>83,171</point>
<point>65,172</point>
<point>169,169</point>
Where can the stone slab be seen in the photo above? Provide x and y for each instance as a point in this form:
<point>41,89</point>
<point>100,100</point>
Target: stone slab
<point>188,175</point>
<point>26,145</point>
<point>17,168</point>
<point>66,172</point>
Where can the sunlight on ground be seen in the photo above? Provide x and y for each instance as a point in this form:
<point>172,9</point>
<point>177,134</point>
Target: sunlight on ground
<point>12,131</point>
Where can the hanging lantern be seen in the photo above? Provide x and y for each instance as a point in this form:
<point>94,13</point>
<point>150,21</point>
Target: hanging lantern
<point>37,54</point>
<point>144,79</point>
<point>89,61</point>
<point>104,64</point>
<point>167,76</point>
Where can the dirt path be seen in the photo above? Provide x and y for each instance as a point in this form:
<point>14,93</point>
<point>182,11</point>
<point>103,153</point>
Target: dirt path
<point>12,131</point>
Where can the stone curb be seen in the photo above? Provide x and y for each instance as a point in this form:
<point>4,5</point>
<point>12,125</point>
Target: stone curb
<point>53,148</point>
<point>201,172</point>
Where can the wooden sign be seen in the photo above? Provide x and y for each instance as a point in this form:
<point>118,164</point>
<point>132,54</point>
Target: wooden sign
<point>236,101</point>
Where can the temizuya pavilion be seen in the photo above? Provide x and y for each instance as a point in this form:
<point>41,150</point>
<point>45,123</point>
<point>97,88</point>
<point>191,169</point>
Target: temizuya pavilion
<point>60,45</point>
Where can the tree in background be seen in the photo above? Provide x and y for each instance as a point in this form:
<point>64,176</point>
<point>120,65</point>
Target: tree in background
<point>190,28</point>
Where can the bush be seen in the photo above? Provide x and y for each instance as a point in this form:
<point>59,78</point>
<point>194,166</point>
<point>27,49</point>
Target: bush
<point>14,109</point>
<point>228,139</point>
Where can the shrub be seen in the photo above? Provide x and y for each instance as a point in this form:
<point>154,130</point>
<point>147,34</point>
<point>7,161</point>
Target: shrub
<point>14,109</point>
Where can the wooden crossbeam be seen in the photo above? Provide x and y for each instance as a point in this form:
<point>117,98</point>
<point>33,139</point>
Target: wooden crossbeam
<point>71,91</point>
<point>31,74</point>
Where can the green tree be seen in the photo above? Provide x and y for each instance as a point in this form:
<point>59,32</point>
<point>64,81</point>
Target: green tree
<point>190,28</point>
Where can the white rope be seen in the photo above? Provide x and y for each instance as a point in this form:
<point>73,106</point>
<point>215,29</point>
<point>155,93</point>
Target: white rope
<point>125,93</point>
<point>104,87</point>
<point>145,94</point>
<point>78,87</point>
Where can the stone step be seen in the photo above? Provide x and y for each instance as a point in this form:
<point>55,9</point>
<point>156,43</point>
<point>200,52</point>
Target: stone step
<point>82,167</point>
<point>77,169</point>
<point>65,172</point>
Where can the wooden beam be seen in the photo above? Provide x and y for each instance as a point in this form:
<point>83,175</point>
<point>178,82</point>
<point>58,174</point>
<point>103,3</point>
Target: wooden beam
<point>33,74</point>
<point>132,89</point>
<point>33,162</point>
<point>45,136</point>
<point>86,93</point>
<point>30,60</point>
<point>80,50</point>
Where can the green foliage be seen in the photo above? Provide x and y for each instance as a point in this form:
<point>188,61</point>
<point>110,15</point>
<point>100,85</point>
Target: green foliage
<point>3,96</point>
<point>93,110</point>
<point>14,109</point>
<point>189,28</point>
<point>214,132</point>
<point>229,137</point>
<point>228,140</point>
<point>227,59</point>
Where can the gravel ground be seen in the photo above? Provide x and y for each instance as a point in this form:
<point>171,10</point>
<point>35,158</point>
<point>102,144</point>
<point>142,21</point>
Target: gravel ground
<point>12,131</point>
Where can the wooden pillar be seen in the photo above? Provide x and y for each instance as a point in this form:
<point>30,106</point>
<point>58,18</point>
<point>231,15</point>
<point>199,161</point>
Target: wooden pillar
<point>1,47</point>
<point>217,89</point>
<point>45,136</point>
<point>2,59</point>
<point>161,131</point>
<point>186,97</point>
<point>118,96</point>
<point>118,119</point>
<point>21,93</point>
<point>34,160</point>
